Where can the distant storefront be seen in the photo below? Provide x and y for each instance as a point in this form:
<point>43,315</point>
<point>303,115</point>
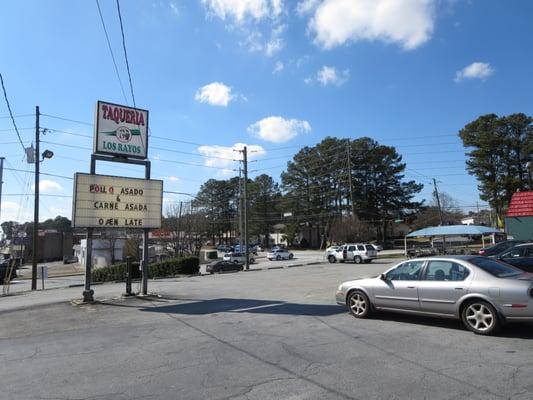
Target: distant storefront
<point>519,219</point>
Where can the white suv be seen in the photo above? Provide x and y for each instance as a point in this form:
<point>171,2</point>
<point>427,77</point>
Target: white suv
<point>238,258</point>
<point>358,253</point>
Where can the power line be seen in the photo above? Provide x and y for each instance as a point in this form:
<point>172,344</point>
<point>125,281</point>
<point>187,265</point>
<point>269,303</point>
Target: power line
<point>66,119</point>
<point>111,51</point>
<point>125,52</point>
<point>11,113</point>
<point>40,173</point>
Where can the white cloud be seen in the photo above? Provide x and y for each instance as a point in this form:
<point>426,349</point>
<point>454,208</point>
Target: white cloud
<point>306,6</point>
<point>224,157</point>
<point>216,94</point>
<point>172,178</point>
<point>47,186</point>
<point>174,7</point>
<point>408,23</point>
<point>330,76</point>
<point>277,129</point>
<point>239,11</point>
<point>278,67</point>
<point>476,70</point>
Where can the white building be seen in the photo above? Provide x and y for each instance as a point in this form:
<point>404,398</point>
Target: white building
<point>101,254</point>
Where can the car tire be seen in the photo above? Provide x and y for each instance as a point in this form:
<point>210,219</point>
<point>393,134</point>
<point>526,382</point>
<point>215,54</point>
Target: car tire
<point>241,268</point>
<point>357,260</point>
<point>480,317</point>
<point>359,304</point>
<point>252,260</point>
<point>235,262</point>
<point>291,256</point>
<point>332,259</point>
<point>369,261</point>
<point>278,258</point>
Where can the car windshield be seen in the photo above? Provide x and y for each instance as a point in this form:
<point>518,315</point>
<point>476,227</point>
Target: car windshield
<point>496,268</point>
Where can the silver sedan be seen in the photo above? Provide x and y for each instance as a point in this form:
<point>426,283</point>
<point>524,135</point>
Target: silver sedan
<point>482,292</point>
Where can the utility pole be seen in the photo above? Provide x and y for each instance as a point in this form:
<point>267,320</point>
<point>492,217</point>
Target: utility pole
<point>240,209</point>
<point>350,176</point>
<point>178,233</point>
<point>1,180</point>
<point>438,201</point>
<point>245,200</point>
<point>35,247</point>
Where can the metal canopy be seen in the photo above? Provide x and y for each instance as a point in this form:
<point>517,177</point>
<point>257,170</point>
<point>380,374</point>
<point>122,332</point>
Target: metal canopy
<point>453,230</point>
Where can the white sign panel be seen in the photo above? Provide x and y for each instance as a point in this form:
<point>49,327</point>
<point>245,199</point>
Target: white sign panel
<point>102,201</point>
<point>121,131</point>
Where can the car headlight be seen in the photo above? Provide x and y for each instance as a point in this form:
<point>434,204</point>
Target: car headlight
<point>340,287</point>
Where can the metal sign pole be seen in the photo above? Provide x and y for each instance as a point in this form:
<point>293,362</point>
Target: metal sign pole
<point>88,293</point>
<point>146,233</point>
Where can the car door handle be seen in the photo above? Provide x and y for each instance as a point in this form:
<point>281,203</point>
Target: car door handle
<point>458,288</point>
<point>411,287</point>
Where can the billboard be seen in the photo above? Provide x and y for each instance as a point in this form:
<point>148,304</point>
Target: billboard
<point>120,131</point>
<point>102,201</point>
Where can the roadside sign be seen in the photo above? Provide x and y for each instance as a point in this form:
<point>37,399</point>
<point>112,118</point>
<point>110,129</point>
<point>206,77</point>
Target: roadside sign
<point>103,201</point>
<point>21,241</point>
<point>120,130</point>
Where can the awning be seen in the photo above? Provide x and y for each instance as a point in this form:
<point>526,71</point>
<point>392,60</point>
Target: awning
<point>454,230</point>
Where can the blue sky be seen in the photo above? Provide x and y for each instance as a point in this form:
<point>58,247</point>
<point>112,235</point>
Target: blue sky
<point>273,74</point>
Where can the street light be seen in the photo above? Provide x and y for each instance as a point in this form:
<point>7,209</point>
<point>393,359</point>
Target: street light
<point>47,154</point>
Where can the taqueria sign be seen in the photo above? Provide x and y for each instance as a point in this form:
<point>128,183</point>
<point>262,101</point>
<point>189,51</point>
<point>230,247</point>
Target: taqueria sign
<point>102,201</point>
<point>120,130</point>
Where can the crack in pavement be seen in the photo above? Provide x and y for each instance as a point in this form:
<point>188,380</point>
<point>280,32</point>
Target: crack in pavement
<point>407,360</point>
<point>258,358</point>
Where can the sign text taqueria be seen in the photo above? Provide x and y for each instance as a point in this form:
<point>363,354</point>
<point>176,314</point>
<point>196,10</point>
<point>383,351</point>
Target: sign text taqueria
<point>115,202</point>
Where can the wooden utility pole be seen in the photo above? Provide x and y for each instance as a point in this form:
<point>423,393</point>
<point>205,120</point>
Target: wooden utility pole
<point>438,201</point>
<point>350,176</point>
<point>35,246</point>
<point>245,206</point>
<point>1,179</point>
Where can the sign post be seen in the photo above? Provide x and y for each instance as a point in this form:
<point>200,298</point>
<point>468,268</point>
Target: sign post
<point>111,202</point>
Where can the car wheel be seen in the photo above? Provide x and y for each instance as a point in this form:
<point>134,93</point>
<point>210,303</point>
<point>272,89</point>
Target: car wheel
<point>357,260</point>
<point>241,268</point>
<point>235,262</point>
<point>359,304</point>
<point>332,259</point>
<point>369,261</point>
<point>252,260</point>
<point>212,272</point>
<point>480,317</point>
<point>278,258</point>
<point>291,256</point>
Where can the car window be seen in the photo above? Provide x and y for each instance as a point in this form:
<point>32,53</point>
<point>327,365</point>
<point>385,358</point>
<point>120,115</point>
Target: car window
<point>351,248</point>
<point>514,252</point>
<point>497,268</point>
<point>369,247</point>
<point>360,247</point>
<point>408,271</point>
<point>528,251</point>
<point>445,271</point>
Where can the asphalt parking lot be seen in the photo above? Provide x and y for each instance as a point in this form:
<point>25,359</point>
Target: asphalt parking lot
<point>264,334</point>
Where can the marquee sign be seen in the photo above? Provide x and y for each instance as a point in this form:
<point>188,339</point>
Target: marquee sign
<point>120,131</point>
<point>102,201</point>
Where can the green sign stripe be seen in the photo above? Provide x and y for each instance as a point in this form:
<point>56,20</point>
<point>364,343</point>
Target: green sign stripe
<point>134,132</point>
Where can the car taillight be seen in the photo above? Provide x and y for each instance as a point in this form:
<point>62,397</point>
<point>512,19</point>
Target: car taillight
<point>481,252</point>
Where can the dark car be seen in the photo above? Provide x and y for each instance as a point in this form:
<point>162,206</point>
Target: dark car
<point>4,270</point>
<point>223,266</point>
<point>520,256</point>
<point>499,248</point>
<point>224,248</point>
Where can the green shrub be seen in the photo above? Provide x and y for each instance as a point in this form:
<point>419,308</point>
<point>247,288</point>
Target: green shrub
<point>170,267</point>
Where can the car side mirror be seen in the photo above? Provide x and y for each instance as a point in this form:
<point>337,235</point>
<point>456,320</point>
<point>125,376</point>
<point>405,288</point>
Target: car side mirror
<point>383,277</point>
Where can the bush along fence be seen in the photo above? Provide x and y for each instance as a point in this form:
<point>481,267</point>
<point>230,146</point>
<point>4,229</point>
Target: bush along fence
<point>163,269</point>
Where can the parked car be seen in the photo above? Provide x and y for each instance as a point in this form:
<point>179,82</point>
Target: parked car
<point>377,247</point>
<point>4,270</point>
<point>238,258</point>
<point>223,266</point>
<point>358,253</point>
<point>520,256</point>
<point>224,248</point>
<point>482,292</point>
<point>499,247</point>
<point>332,249</point>
<point>280,254</point>
<point>251,249</point>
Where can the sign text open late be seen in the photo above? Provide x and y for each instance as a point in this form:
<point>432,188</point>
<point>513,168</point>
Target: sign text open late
<point>102,201</point>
